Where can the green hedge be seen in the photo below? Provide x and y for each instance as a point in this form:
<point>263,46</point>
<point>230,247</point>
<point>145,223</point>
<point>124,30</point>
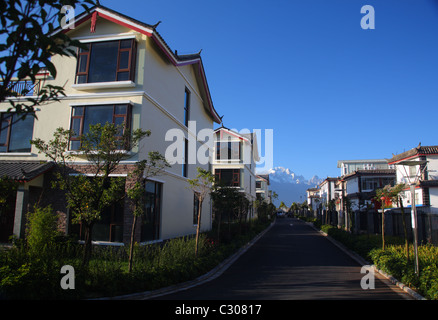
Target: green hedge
<point>26,275</point>
<point>393,260</point>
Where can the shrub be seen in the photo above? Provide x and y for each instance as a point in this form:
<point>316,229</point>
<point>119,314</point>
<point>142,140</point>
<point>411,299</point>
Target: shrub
<point>393,260</point>
<point>37,276</point>
<point>42,230</point>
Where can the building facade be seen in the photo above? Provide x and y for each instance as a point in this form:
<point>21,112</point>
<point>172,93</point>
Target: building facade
<point>262,188</point>
<point>420,166</point>
<point>126,74</point>
<point>349,166</point>
<point>234,162</point>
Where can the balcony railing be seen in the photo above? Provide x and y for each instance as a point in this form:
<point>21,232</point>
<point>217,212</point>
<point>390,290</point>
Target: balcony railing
<point>25,88</point>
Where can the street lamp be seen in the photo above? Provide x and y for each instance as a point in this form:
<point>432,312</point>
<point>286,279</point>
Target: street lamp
<point>413,183</point>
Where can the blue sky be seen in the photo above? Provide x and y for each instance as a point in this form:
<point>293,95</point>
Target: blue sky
<point>306,69</point>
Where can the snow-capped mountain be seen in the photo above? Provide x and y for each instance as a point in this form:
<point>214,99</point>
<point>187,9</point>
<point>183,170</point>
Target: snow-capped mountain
<point>285,175</point>
<point>289,186</point>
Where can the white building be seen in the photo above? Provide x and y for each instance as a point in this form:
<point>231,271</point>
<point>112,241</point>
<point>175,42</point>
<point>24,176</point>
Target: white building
<point>234,161</point>
<point>349,166</point>
<point>128,74</point>
<point>327,191</point>
<point>426,190</point>
<point>313,198</point>
<point>262,188</point>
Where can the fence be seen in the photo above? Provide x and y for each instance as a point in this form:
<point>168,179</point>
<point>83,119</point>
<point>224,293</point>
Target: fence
<point>371,222</point>
<point>24,88</point>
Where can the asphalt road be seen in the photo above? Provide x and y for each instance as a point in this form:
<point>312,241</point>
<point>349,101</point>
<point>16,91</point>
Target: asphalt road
<point>292,261</point>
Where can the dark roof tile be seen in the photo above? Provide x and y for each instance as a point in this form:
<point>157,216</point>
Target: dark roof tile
<point>23,171</point>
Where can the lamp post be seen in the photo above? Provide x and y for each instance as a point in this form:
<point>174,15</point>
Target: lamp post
<point>413,181</point>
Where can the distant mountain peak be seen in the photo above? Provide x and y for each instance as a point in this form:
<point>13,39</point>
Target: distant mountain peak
<point>289,186</point>
<point>285,175</point>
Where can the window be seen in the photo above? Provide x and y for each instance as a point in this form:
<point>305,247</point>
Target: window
<point>15,133</point>
<point>412,171</point>
<point>83,116</point>
<point>228,177</point>
<point>186,158</point>
<point>106,61</point>
<point>150,226</point>
<point>375,183</point>
<point>110,226</point>
<point>186,107</point>
<point>228,150</point>
<point>195,208</point>
<point>258,184</point>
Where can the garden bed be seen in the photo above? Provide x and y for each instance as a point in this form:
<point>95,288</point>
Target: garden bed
<point>37,276</point>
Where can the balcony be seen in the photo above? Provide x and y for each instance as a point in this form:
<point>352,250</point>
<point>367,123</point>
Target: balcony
<point>24,88</point>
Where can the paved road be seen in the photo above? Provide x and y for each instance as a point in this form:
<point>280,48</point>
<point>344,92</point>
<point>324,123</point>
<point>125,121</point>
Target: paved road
<point>292,261</point>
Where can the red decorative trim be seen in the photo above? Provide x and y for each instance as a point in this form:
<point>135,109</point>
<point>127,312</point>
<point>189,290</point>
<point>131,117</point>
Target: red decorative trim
<point>130,26</point>
<point>414,156</point>
<point>93,22</point>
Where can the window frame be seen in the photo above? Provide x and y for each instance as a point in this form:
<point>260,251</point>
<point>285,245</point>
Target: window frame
<point>230,150</point>
<point>153,212</point>
<point>132,59</point>
<point>77,136</point>
<point>184,165</point>
<point>9,118</point>
<point>235,181</point>
<point>187,95</point>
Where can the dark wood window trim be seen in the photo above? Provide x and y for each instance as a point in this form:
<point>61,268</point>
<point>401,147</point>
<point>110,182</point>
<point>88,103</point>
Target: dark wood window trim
<point>79,114</point>
<point>7,123</point>
<point>86,55</point>
<point>235,176</point>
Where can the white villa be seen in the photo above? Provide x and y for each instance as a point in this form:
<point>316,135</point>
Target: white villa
<point>234,161</point>
<point>127,74</point>
<point>421,162</point>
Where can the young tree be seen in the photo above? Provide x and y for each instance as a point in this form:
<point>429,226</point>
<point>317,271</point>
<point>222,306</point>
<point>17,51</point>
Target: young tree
<point>145,169</point>
<point>294,208</point>
<point>386,195</point>
<point>27,43</point>
<point>87,196</point>
<point>398,191</point>
<point>224,201</point>
<point>201,186</point>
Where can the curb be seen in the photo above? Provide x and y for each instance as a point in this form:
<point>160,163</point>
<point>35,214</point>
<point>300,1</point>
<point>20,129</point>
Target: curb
<point>209,276</point>
<point>362,261</point>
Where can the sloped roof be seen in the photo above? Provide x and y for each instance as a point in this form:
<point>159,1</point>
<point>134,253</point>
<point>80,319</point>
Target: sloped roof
<point>23,171</point>
<point>264,177</point>
<point>150,31</point>
<point>374,172</point>
<point>414,152</point>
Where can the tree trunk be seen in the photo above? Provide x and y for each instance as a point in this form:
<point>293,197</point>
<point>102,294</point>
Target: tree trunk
<point>131,248</point>
<point>88,246</point>
<point>198,228</point>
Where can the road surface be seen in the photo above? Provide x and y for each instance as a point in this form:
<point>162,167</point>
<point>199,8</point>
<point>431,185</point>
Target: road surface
<point>292,261</point>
